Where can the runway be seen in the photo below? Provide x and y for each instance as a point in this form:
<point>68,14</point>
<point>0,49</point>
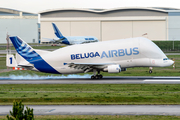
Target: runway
<point>100,109</point>
<point>87,80</point>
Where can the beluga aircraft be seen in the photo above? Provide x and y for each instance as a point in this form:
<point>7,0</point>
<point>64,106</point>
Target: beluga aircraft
<point>108,56</point>
<point>70,40</point>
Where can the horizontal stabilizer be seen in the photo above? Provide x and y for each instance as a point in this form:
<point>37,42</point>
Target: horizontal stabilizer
<point>28,67</point>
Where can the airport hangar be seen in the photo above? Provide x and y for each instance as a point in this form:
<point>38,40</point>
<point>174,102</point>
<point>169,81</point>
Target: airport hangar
<point>157,24</point>
<point>18,23</point>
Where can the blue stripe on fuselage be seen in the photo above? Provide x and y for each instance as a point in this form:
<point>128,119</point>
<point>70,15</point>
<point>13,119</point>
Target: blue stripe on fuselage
<point>65,42</point>
<point>42,65</point>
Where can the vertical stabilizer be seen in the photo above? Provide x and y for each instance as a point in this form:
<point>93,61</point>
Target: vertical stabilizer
<point>57,31</point>
<point>30,55</point>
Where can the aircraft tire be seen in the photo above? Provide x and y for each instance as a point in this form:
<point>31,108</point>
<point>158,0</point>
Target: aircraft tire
<point>100,76</point>
<point>92,77</point>
<point>97,77</point>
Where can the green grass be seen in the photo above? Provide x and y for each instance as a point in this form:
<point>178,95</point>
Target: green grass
<point>102,117</point>
<point>2,63</point>
<point>90,94</point>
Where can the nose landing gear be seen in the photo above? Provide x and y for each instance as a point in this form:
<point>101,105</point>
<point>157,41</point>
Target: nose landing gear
<point>150,70</point>
<point>96,76</point>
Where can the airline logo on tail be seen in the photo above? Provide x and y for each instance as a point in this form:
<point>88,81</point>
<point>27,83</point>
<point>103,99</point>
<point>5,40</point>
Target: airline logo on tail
<point>23,48</point>
<point>57,32</point>
<point>31,56</point>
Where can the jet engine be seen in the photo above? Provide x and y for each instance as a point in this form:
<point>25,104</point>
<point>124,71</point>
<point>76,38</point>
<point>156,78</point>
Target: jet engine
<point>56,39</point>
<point>113,69</point>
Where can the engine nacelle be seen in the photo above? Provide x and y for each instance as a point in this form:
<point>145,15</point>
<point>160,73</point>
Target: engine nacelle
<point>113,69</point>
<point>56,39</point>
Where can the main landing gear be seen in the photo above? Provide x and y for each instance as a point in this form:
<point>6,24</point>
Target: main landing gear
<point>96,76</point>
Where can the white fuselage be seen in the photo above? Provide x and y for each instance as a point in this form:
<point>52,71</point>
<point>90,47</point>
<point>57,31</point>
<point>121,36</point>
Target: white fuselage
<point>72,40</point>
<point>131,52</point>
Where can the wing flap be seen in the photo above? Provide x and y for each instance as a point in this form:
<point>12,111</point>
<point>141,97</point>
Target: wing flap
<point>86,67</point>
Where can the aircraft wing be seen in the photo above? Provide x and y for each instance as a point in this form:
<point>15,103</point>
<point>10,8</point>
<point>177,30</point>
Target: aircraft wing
<point>88,66</point>
<point>56,40</point>
<point>47,40</point>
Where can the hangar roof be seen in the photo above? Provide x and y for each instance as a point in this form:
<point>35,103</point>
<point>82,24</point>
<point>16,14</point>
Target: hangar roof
<point>116,12</point>
<point>158,9</point>
<point>13,12</point>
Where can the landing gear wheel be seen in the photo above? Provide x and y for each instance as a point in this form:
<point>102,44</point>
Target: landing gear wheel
<point>100,76</point>
<point>92,77</point>
<point>97,77</point>
<point>150,71</point>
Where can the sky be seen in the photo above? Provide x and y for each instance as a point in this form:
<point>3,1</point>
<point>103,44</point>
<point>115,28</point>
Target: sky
<point>36,6</point>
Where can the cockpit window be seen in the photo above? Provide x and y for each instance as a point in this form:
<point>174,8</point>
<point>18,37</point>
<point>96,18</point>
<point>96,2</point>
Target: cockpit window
<point>166,59</point>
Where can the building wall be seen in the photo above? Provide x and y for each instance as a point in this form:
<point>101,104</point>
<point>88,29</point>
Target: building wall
<point>108,30</point>
<point>75,28</point>
<point>27,29</point>
<point>156,30</point>
<point>17,23</point>
<point>109,25</point>
<point>174,25</point>
<point>116,30</point>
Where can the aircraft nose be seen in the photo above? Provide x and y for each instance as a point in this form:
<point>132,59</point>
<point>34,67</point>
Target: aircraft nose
<point>171,62</point>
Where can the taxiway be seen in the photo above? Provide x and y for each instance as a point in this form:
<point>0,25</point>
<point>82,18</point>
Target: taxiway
<point>105,80</point>
<point>100,109</point>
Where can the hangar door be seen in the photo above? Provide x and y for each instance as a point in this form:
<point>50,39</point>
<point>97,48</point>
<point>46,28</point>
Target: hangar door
<point>112,30</point>
<point>156,30</point>
<point>48,32</point>
<point>70,28</point>
<point>85,29</point>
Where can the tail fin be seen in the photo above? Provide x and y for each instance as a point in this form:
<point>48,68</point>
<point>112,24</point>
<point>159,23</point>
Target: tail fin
<point>10,61</point>
<point>23,49</point>
<point>29,54</point>
<point>56,31</point>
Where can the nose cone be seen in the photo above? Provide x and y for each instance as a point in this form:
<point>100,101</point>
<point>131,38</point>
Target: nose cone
<point>171,62</point>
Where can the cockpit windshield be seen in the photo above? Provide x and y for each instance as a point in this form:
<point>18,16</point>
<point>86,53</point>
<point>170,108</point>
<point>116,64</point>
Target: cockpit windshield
<point>166,59</point>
